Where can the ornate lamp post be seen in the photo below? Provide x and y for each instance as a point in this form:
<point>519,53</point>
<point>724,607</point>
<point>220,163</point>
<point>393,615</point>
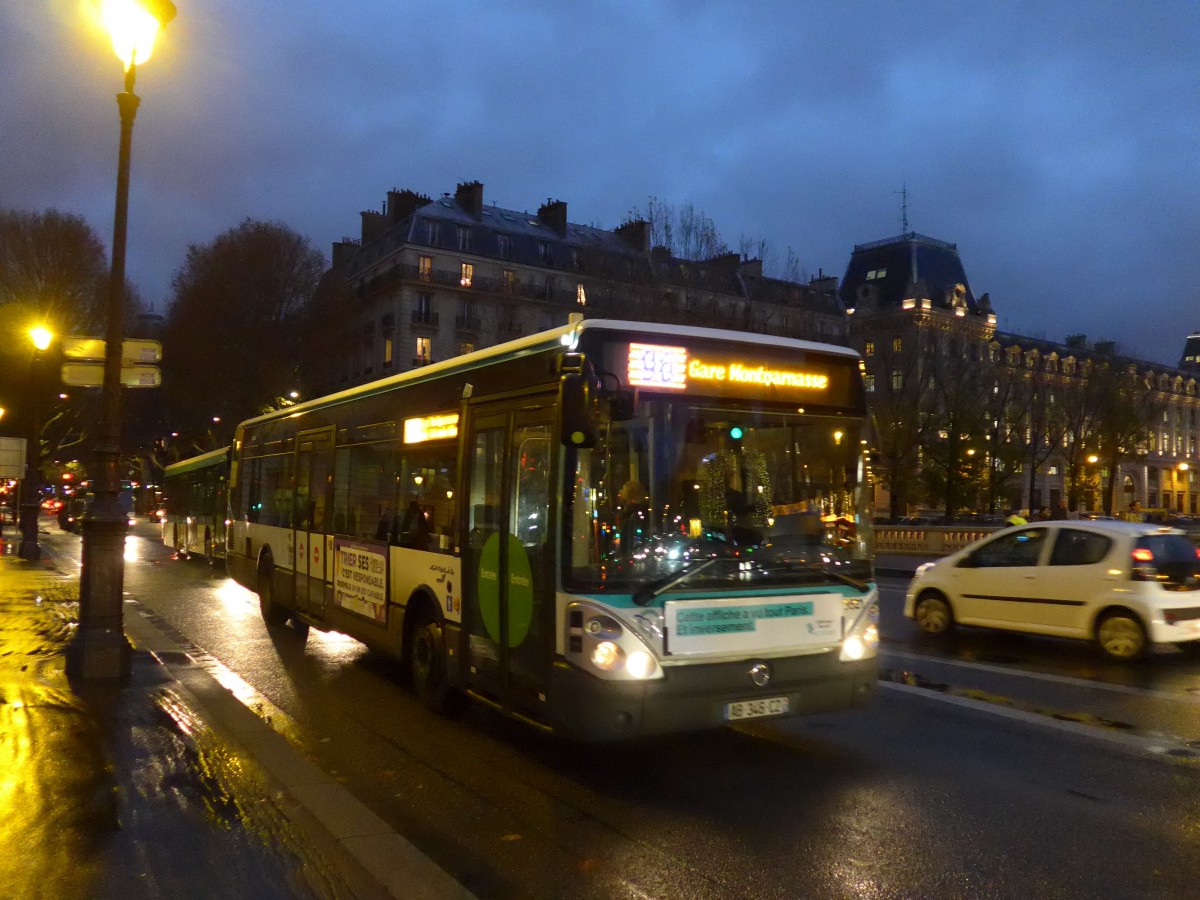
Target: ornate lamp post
<point>99,648</point>
<point>30,507</point>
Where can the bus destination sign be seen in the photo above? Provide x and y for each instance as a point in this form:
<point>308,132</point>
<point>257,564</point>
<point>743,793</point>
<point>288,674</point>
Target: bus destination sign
<point>658,367</point>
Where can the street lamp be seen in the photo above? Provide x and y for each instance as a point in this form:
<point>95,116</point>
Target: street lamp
<point>41,339</point>
<point>99,648</point>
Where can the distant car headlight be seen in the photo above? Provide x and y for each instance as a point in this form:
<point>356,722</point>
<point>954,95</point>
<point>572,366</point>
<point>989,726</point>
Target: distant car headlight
<point>922,569</point>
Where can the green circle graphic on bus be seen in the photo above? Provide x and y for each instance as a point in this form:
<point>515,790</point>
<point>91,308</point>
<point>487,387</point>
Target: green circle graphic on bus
<point>520,590</point>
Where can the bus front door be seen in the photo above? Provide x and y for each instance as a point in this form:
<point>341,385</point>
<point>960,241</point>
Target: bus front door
<point>314,451</point>
<point>508,576</point>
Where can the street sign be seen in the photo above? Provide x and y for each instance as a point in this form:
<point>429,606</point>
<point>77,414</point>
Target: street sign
<point>12,457</point>
<point>91,374</point>
<point>132,351</point>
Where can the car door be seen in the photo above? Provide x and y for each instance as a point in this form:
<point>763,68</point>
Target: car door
<point>1074,579</point>
<point>995,584</point>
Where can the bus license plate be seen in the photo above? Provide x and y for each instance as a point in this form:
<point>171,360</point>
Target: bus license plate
<point>754,709</point>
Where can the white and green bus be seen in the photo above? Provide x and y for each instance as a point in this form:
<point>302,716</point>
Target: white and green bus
<point>194,505</point>
<point>608,529</point>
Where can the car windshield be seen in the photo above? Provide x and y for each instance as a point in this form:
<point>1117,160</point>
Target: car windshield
<point>686,496</point>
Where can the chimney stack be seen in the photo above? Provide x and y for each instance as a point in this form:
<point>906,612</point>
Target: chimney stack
<point>469,195</point>
<point>554,214</point>
<point>636,234</point>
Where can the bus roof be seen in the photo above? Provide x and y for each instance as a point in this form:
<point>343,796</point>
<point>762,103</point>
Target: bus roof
<point>203,461</point>
<point>544,340</point>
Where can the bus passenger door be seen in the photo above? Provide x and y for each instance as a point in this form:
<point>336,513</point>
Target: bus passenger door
<point>508,576</point>
<point>314,459</point>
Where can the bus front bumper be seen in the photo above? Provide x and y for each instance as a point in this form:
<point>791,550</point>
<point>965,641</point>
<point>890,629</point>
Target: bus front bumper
<point>697,697</point>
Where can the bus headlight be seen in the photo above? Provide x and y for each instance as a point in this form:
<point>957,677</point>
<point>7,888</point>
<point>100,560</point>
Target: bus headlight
<point>600,643</point>
<point>606,656</point>
<point>862,641</point>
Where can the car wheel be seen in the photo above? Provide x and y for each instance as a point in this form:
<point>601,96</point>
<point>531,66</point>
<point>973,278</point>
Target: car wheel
<point>427,662</point>
<point>933,614</point>
<point>1121,636</point>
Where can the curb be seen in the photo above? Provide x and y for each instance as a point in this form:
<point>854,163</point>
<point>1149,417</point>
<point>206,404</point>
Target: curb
<point>379,862</point>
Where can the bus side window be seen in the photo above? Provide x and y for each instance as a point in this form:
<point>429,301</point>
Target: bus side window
<point>483,523</point>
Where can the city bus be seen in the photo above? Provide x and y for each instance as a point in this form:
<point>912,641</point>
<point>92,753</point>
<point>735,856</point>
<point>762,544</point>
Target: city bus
<point>195,505</point>
<point>606,530</point>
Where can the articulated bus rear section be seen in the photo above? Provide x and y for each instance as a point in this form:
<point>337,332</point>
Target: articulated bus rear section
<point>606,530</point>
<point>195,505</point>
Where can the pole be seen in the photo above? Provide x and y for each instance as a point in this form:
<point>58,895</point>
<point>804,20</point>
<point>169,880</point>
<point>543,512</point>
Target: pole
<point>99,649</point>
<point>30,508</point>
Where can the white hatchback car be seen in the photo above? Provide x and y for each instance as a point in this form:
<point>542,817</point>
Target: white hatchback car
<point>1123,584</point>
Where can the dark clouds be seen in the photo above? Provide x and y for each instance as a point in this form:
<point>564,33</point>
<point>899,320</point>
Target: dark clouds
<point>1056,143</point>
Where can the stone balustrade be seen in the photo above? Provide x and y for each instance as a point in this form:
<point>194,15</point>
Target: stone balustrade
<point>927,540</point>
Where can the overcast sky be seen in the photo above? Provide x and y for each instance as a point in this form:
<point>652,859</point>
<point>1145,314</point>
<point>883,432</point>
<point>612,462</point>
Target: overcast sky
<point>1056,143</point>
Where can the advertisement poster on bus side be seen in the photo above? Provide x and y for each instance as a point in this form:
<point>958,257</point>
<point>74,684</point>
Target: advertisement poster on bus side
<point>360,578</point>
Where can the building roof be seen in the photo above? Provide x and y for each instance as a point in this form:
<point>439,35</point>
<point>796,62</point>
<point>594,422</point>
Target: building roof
<point>883,274</point>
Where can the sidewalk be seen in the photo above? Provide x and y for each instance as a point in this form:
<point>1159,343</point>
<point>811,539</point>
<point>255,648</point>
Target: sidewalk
<point>165,786</point>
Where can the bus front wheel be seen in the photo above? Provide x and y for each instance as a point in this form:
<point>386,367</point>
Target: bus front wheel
<point>427,662</point>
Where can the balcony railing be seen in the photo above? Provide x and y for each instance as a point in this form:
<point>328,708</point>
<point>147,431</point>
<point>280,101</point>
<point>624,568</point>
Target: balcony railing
<point>467,323</point>
<point>425,317</point>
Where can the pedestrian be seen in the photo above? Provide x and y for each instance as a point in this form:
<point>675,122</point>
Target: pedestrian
<point>1015,517</point>
<point>1060,511</point>
<point>1134,513</point>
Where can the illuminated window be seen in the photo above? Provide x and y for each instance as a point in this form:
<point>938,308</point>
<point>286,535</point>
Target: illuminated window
<point>897,380</point>
<point>897,344</point>
<point>466,347</point>
<point>869,383</point>
<point>468,275</point>
<point>387,351</point>
<point>508,278</point>
<point>580,295</point>
<point>425,268</point>
<point>424,351</point>
<point>869,349</point>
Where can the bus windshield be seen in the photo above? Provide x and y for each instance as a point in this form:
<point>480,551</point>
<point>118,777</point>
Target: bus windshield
<point>689,496</point>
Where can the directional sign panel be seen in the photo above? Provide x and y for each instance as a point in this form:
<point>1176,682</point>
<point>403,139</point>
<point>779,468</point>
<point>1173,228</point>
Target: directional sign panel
<point>132,351</point>
<point>91,374</point>
<point>82,348</point>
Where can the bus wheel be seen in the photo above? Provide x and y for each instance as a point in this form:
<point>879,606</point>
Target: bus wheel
<point>272,613</point>
<point>427,662</point>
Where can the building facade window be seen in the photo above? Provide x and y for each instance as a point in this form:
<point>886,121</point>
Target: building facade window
<point>545,253</point>
<point>505,245</point>
<point>424,351</point>
<point>869,383</point>
<point>508,278</point>
<point>869,349</point>
<point>897,379</point>
<point>467,277</point>
<point>897,344</point>
<point>580,294</point>
<point>466,347</point>
<point>433,233</point>
<point>464,239</point>
<point>425,268</point>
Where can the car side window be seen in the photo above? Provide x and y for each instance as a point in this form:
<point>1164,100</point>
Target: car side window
<point>1021,548</point>
<point>1079,548</point>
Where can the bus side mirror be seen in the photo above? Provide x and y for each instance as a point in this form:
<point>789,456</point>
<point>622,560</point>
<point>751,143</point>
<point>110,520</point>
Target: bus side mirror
<point>578,395</point>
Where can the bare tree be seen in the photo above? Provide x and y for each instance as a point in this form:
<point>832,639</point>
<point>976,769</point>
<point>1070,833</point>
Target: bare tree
<point>231,338</point>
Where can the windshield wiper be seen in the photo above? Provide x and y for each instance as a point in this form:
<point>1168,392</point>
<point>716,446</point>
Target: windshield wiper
<point>860,586</point>
<point>648,592</point>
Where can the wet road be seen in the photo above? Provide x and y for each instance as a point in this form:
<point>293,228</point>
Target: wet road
<point>991,765</point>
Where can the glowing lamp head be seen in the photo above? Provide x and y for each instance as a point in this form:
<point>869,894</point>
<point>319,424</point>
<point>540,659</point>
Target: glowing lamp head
<point>133,25</point>
<point>41,337</point>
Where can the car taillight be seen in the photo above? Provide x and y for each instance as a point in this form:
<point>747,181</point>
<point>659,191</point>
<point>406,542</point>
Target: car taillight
<point>1142,555</point>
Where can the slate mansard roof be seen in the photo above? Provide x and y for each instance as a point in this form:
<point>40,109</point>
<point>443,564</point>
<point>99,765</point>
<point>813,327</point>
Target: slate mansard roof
<point>884,274</point>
